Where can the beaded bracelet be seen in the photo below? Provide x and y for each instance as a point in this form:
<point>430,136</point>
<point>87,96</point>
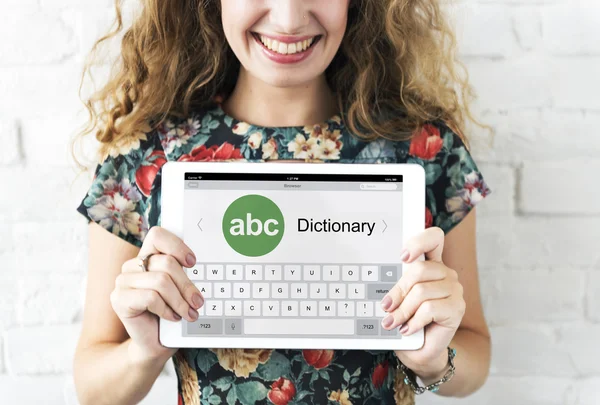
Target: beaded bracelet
<point>410,377</point>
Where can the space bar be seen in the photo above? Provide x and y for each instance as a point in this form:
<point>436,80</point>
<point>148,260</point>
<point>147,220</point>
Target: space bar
<point>302,326</point>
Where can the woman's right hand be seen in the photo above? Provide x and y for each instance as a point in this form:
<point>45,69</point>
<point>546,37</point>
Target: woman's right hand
<point>165,291</point>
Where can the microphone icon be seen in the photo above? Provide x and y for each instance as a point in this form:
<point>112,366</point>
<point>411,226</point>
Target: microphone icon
<point>232,326</point>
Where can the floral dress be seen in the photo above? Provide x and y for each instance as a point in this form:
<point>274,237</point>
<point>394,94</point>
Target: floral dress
<point>124,198</point>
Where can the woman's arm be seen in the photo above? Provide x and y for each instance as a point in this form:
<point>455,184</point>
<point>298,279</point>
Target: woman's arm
<point>472,339</point>
<point>107,370</point>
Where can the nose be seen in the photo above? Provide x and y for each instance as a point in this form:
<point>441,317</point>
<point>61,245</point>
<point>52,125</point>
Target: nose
<point>289,16</point>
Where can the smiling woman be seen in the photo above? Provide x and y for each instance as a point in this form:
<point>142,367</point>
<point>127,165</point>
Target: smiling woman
<point>337,81</point>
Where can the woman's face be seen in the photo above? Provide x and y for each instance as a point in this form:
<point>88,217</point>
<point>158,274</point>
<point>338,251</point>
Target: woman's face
<point>284,42</point>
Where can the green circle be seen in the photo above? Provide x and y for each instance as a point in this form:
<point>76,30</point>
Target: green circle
<point>253,225</point>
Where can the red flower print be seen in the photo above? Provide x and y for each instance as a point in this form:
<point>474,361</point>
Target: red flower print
<point>282,391</point>
<point>203,154</point>
<point>318,358</point>
<point>428,218</point>
<point>146,173</point>
<point>379,374</point>
<point>427,143</point>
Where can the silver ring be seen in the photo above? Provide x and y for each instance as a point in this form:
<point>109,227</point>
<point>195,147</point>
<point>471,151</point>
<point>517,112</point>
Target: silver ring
<point>144,261</point>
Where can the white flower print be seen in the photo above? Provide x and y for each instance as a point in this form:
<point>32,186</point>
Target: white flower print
<point>269,150</point>
<point>473,192</point>
<point>255,140</point>
<point>175,136</point>
<point>241,128</point>
<point>329,150</point>
<point>305,148</point>
<point>115,209</point>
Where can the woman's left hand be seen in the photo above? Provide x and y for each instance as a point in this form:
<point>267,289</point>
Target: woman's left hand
<point>428,295</point>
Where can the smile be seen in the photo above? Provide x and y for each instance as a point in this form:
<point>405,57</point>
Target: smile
<point>286,48</point>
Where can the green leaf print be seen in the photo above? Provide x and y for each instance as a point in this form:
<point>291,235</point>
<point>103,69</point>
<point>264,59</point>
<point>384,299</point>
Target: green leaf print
<point>277,366</point>
<point>223,383</point>
<point>448,141</point>
<point>346,376</point>
<point>457,178</point>
<point>214,399</point>
<point>250,392</point>
<point>205,360</point>
<point>231,397</point>
<point>432,173</point>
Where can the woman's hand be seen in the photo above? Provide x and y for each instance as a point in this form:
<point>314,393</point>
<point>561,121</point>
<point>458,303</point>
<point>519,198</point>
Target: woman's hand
<point>428,295</point>
<point>165,290</point>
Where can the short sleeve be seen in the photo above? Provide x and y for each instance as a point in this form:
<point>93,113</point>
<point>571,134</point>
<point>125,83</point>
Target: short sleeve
<point>454,183</point>
<point>124,197</point>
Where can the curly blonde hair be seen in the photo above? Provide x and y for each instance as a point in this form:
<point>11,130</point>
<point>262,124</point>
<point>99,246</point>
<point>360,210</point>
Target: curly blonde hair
<point>395,70</point>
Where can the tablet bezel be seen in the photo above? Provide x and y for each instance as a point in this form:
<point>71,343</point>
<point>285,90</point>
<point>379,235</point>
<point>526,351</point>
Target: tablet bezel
<point>172,199</point>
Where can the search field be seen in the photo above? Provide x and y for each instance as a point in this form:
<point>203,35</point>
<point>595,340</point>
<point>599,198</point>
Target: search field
<point>378,186</point>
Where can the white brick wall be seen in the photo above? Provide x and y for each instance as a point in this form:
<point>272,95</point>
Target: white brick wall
<point>535,66</point>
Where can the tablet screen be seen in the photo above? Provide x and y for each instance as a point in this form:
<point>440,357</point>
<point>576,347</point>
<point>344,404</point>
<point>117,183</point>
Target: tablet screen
<point>293,218</point>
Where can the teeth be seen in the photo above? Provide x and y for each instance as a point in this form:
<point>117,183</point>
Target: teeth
<point>283,48</point>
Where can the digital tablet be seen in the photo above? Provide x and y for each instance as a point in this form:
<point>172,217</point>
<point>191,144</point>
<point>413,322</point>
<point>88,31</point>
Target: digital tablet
<point>292,255</point>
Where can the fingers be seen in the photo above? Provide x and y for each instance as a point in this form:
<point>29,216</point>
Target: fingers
<point>441,311</point>
<point>420,294</point>
<point>430,242</point>
<point>168,264</point>
<point>162,283</point>
<point>159,240</point>
<point>129,303</point>
<point>413,274</point>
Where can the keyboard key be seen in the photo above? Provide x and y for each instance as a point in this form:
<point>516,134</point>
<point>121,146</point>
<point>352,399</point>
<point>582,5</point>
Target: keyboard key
<point>389,273</point>
<point>350,273</point>
<point>331,273</point>
<point>260,290</point>
<point>214,272</point>
<point>356,291</point>
<point>196,273</point>
<point>222,290</point>
<point>253,272</point>
<point>234,272</point>
<point>251,308</point>
<point>289,308</point>
<point>299,290</point>
<point>273,272</point>
<point>280,290</point>
<point>302,326</point>
<point>233,326</point>
<point>214,308</point>
<point>312,273</point>
<point>205,326</point>
<point>308,308</point>
<point>292,273</point>
<point>379,312</point>
<point>370,273</point>
<point>241,290</point>
<point>378,291</point>
<point>318,290</point>
<point>345,308</point>
<point>205,289</point>
<point>233,308</point>
<point>270,308</point>
<point>326,308</point>
<point>367,327</point>
<point>391,333</point>
<point>337,291</point>
<point>364,309</point>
